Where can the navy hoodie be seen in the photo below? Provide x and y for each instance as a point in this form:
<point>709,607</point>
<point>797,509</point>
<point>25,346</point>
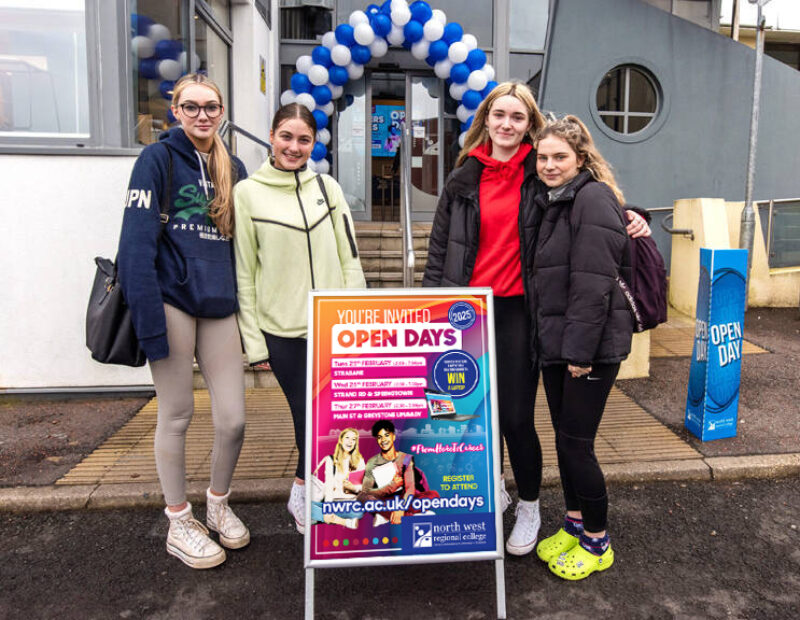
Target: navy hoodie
<point>192,266</point>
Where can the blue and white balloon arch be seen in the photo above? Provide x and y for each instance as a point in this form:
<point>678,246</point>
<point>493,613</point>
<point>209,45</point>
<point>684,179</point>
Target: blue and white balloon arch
<point>454,56</point>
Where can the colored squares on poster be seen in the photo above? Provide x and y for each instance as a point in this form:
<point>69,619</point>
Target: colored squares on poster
<point>325,543</point>
<point>355,542</point>
<point>335,543</point>
<point>375,541</point>
<point>385,540</point>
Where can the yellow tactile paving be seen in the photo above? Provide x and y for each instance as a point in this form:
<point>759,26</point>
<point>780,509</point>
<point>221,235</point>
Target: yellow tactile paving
<point>627,434</point>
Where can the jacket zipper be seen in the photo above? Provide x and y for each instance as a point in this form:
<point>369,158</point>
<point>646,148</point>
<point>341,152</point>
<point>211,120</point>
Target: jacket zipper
<point>308,232</point>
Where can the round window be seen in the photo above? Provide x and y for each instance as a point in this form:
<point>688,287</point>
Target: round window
<point>628,99</point>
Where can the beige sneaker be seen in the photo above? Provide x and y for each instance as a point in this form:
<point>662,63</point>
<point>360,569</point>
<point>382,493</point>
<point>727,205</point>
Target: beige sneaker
<point>220,518</point>
<point>188,540</point>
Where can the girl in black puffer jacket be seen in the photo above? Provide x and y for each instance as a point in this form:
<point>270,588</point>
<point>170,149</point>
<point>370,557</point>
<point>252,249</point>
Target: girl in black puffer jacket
<point>583,326</point>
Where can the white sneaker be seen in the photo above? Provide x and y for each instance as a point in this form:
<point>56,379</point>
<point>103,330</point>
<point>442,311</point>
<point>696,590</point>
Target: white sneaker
<point>505,498</point>
<point>526,529</point>
<point>297,506</point>
<point>220,518</point>
<point>188,540</point>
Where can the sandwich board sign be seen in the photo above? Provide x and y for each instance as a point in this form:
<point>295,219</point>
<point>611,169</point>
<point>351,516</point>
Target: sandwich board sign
<point>402,436</point>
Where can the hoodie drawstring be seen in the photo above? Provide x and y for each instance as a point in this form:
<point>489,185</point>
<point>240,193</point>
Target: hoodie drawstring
<point>202,173</point>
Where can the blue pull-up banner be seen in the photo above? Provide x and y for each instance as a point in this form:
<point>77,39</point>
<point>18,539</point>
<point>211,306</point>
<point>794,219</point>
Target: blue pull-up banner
<point>712,403</point>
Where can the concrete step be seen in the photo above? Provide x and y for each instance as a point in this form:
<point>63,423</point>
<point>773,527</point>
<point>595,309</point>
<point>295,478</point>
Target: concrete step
<point>253,378</point>
<point>390,260</point>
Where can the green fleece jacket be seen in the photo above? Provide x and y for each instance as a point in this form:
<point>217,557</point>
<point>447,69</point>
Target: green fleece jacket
<point>288,241</point>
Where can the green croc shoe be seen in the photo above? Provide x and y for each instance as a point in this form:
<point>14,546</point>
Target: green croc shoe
<point>577,563</point>
<point>553,546</point>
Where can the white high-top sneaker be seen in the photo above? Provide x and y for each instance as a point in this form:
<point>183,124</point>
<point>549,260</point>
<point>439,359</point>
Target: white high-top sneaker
<point>505,498</point>
<point>526,529</point>
<point>297,506</point>
<point>188,540</point>
<point>220,518</point>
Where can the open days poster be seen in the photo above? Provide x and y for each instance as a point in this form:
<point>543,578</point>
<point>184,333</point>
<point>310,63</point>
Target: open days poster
<point>401,428</point>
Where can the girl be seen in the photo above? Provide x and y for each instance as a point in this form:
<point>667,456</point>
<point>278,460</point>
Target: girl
<point>584,328</point>
<point>481,237</point>
<point>294,233</point>
<point>345,460</point>
<point>180,285</point>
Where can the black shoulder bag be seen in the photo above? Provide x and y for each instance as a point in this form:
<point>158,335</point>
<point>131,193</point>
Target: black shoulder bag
<point>109,329</point>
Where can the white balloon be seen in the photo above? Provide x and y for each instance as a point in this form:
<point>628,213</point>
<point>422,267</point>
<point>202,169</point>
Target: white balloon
<point>457,91</point>
<point>433,30</point>
<point>439,16</point>
<point>477,80</point>
<point>303,64</point>
<point>340,55</point>
<point>307,100</point>
<point>400,15</point>
<point>420,49</point>
<point>329,39</point>
<point>355,70</point>
<point>183,57</point>
<point>288,96</point>
<point>396,35</point>
<point>143,47</point>
<point>470,41</point>
<point>326,109</point>
<point>489,71</point>
<point>169,69</point>
<point>402,4</point>
<point>311,165</point>
<point>318,75</point>
<point>158,32</point>
<point>462,138</point>
<point>442,68</point>
<point>336,91</point>
<point>322,166</point>
<point>363,34</point>
<point>458,52</point>
<point>463,113</point>
<point>324,136</point>
<point>379,47</point>
<point>358,17</point>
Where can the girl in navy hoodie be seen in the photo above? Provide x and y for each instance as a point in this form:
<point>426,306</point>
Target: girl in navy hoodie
<point>180,284</point>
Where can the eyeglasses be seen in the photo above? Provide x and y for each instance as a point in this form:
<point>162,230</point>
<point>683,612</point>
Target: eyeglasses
<point>192,110</point>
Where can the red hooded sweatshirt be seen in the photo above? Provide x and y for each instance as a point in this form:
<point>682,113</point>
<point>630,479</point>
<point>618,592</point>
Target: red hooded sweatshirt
<point>498,262</point>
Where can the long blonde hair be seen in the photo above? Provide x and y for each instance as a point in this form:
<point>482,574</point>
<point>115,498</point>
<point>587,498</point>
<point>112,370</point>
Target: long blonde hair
<point>572,131</point>
<point>478,134</point>
<point>220,209</point>
<point>341,458</point>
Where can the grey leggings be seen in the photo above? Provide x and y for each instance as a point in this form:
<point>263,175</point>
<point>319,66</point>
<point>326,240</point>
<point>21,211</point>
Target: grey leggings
<point>216,345</point>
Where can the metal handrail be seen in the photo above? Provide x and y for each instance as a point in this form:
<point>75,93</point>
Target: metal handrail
<point>231,127</point>
<point>686,232</point>
<point>409,257</point>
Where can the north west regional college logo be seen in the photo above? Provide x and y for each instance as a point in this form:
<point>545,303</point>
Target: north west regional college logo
<point>423,535</point>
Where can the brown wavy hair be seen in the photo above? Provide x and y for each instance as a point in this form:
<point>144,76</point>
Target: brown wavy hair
<point>342,460</point>
<point>572,130</point>
<point>220,168</point>
<point>478,134</point>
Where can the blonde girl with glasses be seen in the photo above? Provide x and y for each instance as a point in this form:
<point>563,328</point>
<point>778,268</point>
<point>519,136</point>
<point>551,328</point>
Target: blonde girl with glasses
<point>178,279</point>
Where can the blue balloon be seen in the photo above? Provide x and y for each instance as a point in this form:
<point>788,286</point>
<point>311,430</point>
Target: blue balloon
<point>344,34</point>
<point>407,44</point>
<point>459,73</point>
<point>148,68</point>
<point>321,94</point>
<point>381,24</point>
<point>386,7</point>
<point>476,59</point>
<point>322,120</point>
<point>300,83</point>
<point>431,61</point>
<point>413,31</point>
<point>170,116</point>
<point>338,75</point>
<point>360,54</point>
<point>438,50</point>
<point>140,24</point>
<point>165,88</point>
<point>471,99</point>
<point>489,88</point>
<point>319,151</point>
<point>470,120</point>
<point>420,11</point>
<point>321,55</point>
<point>372,9</point>
<point>349,99</point>
<point>452,33</point>
<point>168,49</point>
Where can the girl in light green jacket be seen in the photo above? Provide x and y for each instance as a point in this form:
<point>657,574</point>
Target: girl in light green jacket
<point>294,233</point>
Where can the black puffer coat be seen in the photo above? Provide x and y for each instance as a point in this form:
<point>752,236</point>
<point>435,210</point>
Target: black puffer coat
<point>456,226</point>
<point>581,247</point>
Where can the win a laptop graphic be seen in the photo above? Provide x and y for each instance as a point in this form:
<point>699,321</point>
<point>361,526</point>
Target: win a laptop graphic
<point>442,407</point>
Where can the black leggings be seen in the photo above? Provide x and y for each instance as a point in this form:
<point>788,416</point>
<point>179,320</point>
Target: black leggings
<point>517,379</point>
<point>576,407</point>
<point>287,356</point>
